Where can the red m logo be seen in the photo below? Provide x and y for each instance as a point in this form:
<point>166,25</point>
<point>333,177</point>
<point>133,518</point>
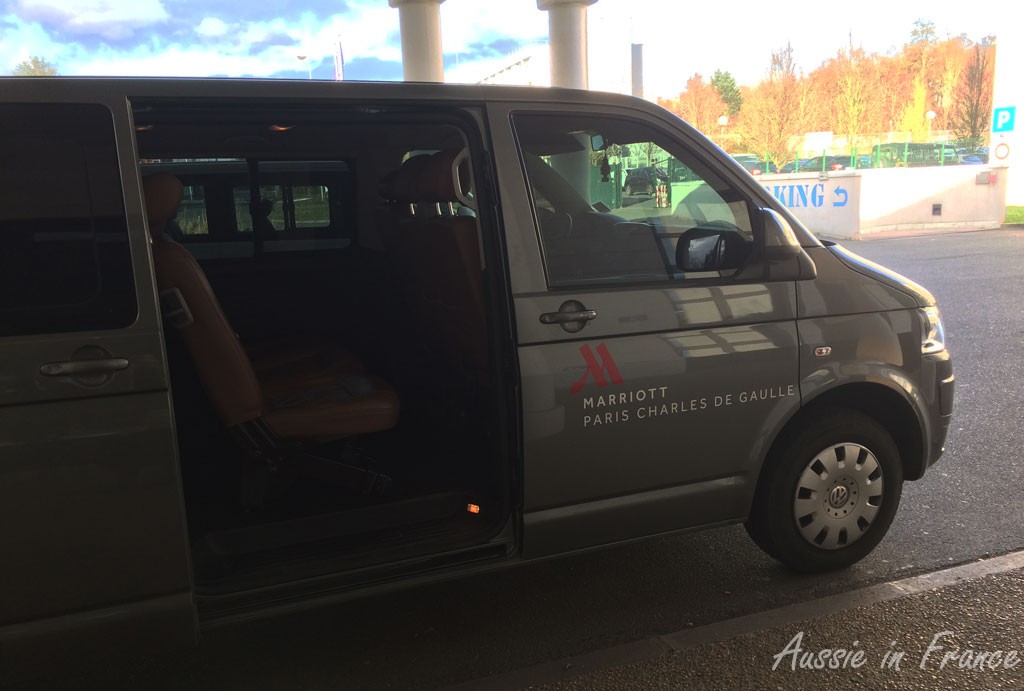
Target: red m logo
<point>597,369</point>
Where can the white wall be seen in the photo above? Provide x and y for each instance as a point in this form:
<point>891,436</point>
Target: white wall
<point>856,204</point>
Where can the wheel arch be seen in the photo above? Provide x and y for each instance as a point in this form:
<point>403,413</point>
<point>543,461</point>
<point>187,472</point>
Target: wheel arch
<point>885,404</point>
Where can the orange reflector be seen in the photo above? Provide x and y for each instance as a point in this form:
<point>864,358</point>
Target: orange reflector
<point>472,508</point>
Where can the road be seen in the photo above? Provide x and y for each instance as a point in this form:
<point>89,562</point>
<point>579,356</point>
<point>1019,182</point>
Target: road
<point>968,506</point>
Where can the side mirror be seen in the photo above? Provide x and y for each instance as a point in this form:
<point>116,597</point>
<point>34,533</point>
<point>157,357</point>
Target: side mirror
<point>712,246</point>
<point>782,257</point>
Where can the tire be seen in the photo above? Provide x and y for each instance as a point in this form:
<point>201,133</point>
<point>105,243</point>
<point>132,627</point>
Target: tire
<point>814,509</point>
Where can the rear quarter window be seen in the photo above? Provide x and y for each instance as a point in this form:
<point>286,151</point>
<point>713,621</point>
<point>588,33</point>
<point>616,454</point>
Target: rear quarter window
<point>65,263</point>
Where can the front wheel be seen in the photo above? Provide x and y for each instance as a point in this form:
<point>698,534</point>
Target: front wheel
<point>828,494</point>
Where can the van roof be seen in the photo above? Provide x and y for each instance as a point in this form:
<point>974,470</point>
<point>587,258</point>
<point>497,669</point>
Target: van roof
<point>225,88</point>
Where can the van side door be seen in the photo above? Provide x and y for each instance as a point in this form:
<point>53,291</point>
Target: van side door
<point>94,541</point>
<point>654,367</point>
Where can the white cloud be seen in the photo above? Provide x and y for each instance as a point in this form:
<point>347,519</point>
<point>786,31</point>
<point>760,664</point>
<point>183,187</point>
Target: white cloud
<point>212,27</point>
<point>110,19</point>
<point>464,22</point>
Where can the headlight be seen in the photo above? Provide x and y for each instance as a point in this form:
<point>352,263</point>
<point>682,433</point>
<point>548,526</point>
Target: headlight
<point>934,340</point>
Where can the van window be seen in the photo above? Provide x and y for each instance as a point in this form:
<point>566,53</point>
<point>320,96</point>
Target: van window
<point>295,205</point>
<point>65,263</point>
<point>614,196</point>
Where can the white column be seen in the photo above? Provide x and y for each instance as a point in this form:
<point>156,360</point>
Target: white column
<point>567,34</point>
<point>420,22</point>
<point>1008,92</point>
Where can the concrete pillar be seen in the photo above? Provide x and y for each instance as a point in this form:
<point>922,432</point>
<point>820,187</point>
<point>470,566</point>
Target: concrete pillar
<point>567,35</point>
<point>420,22</point>
<point>1008,92</point>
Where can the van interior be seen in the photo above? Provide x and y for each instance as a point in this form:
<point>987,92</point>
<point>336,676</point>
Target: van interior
<point>332,321</point>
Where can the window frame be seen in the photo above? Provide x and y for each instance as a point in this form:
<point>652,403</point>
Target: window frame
<point>666,135</point>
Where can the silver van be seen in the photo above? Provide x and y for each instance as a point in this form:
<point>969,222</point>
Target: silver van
<point>267,345</point>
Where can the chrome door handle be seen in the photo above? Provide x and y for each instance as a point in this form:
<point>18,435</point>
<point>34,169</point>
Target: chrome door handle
<point>566,317</point>
<point>78,368</point>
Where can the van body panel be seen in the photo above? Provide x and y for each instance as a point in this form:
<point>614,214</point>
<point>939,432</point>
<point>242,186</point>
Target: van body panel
<point>156,623</point>
<point>636,515</point>
<point>839,289</point>
<point>109,526</point>
<point>90,486</point>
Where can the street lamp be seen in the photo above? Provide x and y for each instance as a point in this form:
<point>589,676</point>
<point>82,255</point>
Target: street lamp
<point>309,66</point>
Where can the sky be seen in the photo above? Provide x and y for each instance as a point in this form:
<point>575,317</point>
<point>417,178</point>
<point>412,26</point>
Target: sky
<point>265,39</point>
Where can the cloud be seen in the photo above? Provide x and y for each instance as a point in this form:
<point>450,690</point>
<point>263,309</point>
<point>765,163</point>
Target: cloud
<point>212,27</point>
<point>273,41</point>
<point>110,19</point>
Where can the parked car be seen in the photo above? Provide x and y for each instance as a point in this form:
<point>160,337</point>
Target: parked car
<point>754,164</point>
<point>827,163</point>
<point>973,155</point>
<point>795,166</point>
<point>397,340</point>
<point>644,181</point>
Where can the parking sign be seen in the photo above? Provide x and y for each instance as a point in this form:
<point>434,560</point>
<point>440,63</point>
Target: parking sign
<point>1002,119</point>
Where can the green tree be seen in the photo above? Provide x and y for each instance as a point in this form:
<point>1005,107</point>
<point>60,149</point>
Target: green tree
<point>725,85</point>
<point>35,67</point>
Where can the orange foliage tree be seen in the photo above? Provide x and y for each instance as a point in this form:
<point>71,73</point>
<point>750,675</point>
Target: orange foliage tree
<point>699,104</point>
<point>861,97</point>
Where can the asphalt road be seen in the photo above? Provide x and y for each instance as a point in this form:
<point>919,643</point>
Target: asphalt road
<point>968,506</point>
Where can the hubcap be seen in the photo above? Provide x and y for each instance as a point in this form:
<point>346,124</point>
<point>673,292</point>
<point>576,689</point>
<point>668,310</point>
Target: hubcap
<point>838,496</point>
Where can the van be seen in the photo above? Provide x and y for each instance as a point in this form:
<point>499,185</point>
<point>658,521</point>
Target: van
<point>272,345</point>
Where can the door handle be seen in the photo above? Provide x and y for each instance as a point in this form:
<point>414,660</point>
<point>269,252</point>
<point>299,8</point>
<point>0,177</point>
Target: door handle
<point>78,368</point>
<point>566,317</point>
<point>572,315</point>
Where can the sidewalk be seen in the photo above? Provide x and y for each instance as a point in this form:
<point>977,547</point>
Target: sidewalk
<point>959,628</point>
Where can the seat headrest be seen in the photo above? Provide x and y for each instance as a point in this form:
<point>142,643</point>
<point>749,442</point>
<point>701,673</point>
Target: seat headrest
<point>163,193</point>
<point>441,177</point>
<point>449,178</point>
<point>407,185</point>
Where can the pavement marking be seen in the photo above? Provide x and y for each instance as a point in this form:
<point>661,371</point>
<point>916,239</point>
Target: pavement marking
<point>649,648</point>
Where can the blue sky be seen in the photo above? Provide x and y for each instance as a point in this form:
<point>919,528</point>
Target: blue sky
<point>264,39</point>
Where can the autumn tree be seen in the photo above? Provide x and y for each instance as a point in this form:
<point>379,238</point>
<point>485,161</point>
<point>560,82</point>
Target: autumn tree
<point>700,105</point>
<point>849,83</point>
<point>972,102</point>
<point>35,67</point>
<point>725,85</point>
<point>773,113</point>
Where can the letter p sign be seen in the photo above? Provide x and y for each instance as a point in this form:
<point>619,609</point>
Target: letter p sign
<point>1003,119</point>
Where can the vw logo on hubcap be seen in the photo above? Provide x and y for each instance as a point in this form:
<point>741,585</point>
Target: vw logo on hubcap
<point>838,496</point>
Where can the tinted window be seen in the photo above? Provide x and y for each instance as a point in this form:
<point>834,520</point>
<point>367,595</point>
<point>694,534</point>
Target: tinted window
<point>65,264</point>
<point>618,202</point>
<point>295,205</point>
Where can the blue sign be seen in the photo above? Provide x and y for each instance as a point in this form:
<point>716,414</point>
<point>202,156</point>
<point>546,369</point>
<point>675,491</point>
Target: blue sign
<point>1002,119</point>
<point>799,196</point>
<point>843,196</point>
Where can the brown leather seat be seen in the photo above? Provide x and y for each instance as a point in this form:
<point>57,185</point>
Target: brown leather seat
<point>297,399</point>
<point>438,254</point>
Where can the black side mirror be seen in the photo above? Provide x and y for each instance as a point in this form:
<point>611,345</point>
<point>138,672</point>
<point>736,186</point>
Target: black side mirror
<point>712,246</point>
